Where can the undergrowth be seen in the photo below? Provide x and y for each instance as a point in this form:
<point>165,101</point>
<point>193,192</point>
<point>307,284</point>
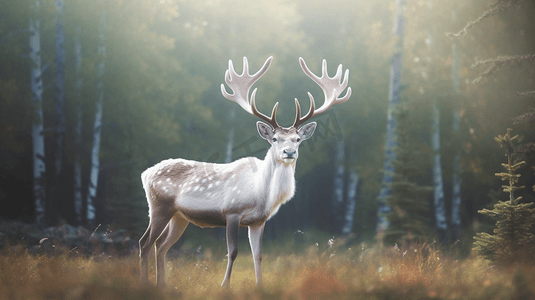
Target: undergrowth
<point>335,272</point>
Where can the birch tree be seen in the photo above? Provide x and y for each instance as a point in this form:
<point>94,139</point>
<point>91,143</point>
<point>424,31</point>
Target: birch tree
<point>352,187</point>
<point>38,140</point>
<point>97,127</point>
<point>338,186</point>
<point>230,138</point>
<point>78,128</point>
<point>60,91</point>
<point>456,195</point>
<point>438,187</point>
<point>393,99</point>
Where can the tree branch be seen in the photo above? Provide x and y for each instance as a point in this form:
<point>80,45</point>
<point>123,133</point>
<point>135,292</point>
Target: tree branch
<point>526,94</point>
<point>496,7</point>
<point>496,63</point>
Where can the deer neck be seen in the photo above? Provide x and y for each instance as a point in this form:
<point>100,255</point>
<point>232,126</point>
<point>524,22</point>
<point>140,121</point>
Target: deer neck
<point>278,181</point>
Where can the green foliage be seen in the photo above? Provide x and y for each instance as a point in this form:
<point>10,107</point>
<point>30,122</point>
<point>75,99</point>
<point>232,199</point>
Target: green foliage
<point>410,216</point>
<point>513,238</point>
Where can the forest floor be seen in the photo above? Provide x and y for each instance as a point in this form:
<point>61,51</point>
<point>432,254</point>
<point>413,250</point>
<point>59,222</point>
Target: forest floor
<point>338,272</point>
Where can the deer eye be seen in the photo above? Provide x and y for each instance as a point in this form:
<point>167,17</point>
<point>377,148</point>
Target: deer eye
<point>274,140</point>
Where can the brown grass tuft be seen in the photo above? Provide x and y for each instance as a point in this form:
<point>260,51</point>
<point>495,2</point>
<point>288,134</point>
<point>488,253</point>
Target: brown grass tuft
<point>416,272</point>
<point>319,283</point>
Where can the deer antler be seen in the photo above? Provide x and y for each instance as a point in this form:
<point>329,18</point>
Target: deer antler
<point>331,86</point>
<point>241,84</point>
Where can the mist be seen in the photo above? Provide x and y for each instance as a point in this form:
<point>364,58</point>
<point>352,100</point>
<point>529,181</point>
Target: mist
<point>156,67</point>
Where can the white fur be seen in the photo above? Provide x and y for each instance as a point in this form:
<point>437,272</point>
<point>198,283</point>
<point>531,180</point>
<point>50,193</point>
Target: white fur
<point>255,193</point>
<point>248,191</point>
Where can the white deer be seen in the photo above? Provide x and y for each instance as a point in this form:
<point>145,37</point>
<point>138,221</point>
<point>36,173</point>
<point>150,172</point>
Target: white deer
<point>243,193</point>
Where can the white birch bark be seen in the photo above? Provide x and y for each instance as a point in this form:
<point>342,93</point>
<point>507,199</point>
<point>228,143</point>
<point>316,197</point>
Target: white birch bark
<point>352,187</point>
<point>393,98</point>
<point>440,211</point>
<point>438,187</point>
<point>221,232</point>
<point>338,186</point>
<point>230,138</point>
<point>95,150</point>
<point>38,140</point>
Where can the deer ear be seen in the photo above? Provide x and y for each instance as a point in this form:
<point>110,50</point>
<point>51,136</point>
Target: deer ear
<point>265,131</point>
<point>306,131</point>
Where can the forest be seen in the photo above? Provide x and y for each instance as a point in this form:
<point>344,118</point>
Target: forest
<point>434,148</point>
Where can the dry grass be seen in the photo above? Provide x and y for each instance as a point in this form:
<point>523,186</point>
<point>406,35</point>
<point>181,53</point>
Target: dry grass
<point>419,272</point>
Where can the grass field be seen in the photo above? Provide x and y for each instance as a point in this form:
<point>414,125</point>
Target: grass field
<point>361,272</point>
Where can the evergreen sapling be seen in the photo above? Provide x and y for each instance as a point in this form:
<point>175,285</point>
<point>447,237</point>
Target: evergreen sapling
<point>513,239</point>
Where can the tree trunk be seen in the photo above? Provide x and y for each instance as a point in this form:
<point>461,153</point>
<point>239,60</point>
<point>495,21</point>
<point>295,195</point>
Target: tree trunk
<point>456,195</point>
<point>95,162</point>
<point>351,202</point>
<point>36,85</point>
<point>338,187</point>
<point>230,139</point>
<point>440,211</point>
<point>60,90</point>
<point>78,129</point>
<point>438,187</point>
<point>221,232</point>
<point>393,98</point>
<point>59,135</point>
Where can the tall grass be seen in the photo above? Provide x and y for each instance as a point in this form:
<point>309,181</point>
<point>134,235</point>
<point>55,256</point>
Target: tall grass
<point>338,272</point>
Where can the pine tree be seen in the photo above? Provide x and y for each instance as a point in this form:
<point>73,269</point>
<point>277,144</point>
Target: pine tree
<point>493,65</point>
<point>513,240</point>
<point>410,216</point>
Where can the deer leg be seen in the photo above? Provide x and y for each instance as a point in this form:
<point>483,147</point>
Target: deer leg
<point>143,257</point>
<point>158,221</point>
<point>233,229</point>
<point>255,239</point>
<point>172,232</point>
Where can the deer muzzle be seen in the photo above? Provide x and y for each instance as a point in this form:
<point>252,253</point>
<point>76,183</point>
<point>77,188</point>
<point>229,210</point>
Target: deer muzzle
<point>289,155</point>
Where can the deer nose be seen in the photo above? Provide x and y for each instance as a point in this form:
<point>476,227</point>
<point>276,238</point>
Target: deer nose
<point>290,152</point>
